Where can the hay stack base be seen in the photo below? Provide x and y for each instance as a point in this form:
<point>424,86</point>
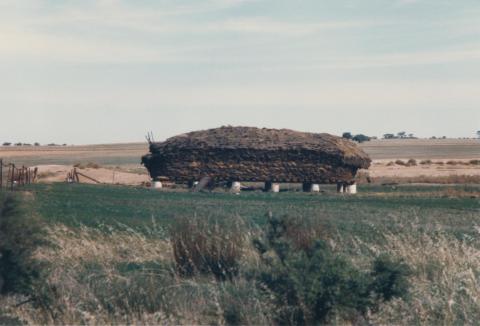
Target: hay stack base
<point>255,155</point>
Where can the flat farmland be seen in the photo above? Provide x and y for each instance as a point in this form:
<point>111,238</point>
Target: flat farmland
<point>121,154</point>
<point>442,159</point>
<point>108,154</point>
<point>422,149</point>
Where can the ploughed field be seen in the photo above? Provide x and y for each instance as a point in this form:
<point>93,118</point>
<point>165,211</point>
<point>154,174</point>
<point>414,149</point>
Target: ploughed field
<point>111,254</point>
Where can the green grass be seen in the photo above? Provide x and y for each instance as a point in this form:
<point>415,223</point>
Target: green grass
<point>375,208</point>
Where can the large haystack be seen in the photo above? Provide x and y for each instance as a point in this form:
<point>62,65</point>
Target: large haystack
<point>253,154</point>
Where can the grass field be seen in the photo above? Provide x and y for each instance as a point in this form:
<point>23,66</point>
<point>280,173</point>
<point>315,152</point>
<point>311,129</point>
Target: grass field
<point>375,207</point>
<point>110,255</point>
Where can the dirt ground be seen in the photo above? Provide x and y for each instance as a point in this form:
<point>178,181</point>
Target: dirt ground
<point>120,163</point>
<point>383,168</point>
<point>58,173</point>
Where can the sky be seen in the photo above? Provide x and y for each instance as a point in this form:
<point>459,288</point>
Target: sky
<point>101,71</point>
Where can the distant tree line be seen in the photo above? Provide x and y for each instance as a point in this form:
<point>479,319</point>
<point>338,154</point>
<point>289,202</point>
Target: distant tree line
<point>399,135</point>
<point>360,138</point>
<point>6,144</point>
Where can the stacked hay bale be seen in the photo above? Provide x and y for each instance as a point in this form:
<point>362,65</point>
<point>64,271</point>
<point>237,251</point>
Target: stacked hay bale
<point>254,155</point>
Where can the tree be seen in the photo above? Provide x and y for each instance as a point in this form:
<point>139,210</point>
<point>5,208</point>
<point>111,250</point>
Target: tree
<point>347,135</point>
<point>361,138</point>
<point>7,144</point>
<point>478,133</point>
<point>388,136</point>
<point>401,134</point>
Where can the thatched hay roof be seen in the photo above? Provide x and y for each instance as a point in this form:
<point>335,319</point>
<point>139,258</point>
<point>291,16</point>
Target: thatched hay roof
<point>266,140</point>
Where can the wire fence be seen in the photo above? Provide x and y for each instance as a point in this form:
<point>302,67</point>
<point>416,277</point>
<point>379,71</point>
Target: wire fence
<point>12,177</point>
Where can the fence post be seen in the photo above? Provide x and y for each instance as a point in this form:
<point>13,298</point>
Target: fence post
<point>13,177</point>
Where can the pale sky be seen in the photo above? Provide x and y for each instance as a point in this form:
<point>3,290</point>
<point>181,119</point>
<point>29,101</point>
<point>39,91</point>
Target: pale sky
<point>110,71</point>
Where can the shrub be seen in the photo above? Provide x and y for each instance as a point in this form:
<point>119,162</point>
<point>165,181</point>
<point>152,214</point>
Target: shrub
<point>411,162</point>
<point>361,138</point>
<point>20,236</point>
<point>400,162</point>
<point>389,278</point>
<point>426,162</point>
<point>92,165</point>
<point>474,162</point>
<point>201,246</point>
<point>89,165</point>
<point>6,144</point>
<point>312,285</point>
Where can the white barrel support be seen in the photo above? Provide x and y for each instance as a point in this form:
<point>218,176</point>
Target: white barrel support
<point>351,189</point>
<point>236,187</point>
<point>157,185</point>
<point>275,187</point>
<point>315,187</point>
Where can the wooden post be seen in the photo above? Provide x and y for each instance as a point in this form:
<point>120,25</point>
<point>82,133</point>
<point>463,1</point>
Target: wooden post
<point>1,174</point>
<point>268,186</point>
<point>307,186</point>
<point>13,177</point>
<point>35,174</point>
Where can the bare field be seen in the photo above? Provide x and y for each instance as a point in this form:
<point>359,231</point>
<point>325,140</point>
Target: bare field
<point>423,149</point>
<point>109,154</point>
<point>120,163</point>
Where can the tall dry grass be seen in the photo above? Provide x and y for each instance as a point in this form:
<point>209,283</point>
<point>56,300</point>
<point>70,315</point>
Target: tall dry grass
<point>201,246</point>
<point>445,283</point>
<point>126,277</point>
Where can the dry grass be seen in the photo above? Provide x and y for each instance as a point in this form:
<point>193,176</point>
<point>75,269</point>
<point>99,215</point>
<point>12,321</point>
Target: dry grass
<point>445,285</point>
<point>86,244</point>
<point>89,165</point>
<point>123,277</point>
<point>445,282</point>
<point>449,179</point>
<point>200,246</point>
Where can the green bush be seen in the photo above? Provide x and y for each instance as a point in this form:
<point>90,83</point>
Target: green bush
<point>312,285</point>
<point>20,236</point>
